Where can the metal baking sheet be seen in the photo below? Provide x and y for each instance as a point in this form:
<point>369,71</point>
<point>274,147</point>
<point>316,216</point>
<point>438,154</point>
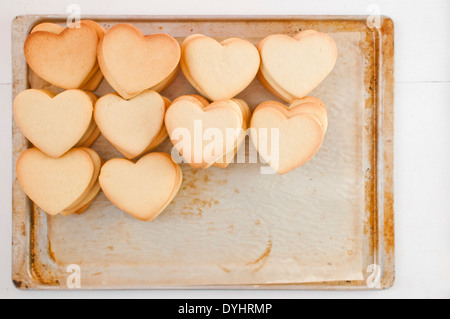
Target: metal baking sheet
<point>328,225</point>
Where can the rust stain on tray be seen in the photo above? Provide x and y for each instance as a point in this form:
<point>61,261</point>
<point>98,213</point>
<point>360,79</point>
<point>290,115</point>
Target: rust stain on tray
<point>263,258</point>
<point>197,207</point>
<point>224,269</point>
<point>370,48</point>
<point>389,236</point>
<point>388,156</point>
<point>50,251</point>
<point>39,270</point>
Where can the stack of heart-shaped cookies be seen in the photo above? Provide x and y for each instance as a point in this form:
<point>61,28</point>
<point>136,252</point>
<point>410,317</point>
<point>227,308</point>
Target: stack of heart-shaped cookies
<point>219,71</point>
<point>64,185</point>
<point>133,63</point>
<point>134,127</point>
<point>56,123</point>
<point>229,157</point>
<point>291,67</point>
<point>145,189</point>
<point>66,58</point>
<point>207,134</point>
<point>289,136</point>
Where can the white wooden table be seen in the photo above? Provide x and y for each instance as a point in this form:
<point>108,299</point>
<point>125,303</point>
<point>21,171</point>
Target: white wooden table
<point>422,140</point>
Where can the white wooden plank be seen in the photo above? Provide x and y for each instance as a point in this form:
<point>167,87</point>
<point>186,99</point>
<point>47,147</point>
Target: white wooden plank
<point>422,188</point>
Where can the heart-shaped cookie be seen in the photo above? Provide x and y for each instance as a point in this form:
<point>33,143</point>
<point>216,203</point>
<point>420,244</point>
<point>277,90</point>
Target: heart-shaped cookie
<point>67,59</point>
<point>204,134</point>
<point>219,70</point>
<point>82,204</point>
<point>95,77</point>
<point>93,131</point>
<point>247,113</point>
<point>144,189</point>
<point>56,184</point>
<point>291,67</point>
<point>84,198</point>
<point>85,203</point>
<point>225,161</point>
<point>48,27</point>
<point>54,124</point>
<point>288,137</point>
<point>133,63</point>
<point>131,126</point>
<point>313,106</point>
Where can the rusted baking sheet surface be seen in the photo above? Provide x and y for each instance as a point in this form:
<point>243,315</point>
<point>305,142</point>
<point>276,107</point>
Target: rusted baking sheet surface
<point>328,225</point>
